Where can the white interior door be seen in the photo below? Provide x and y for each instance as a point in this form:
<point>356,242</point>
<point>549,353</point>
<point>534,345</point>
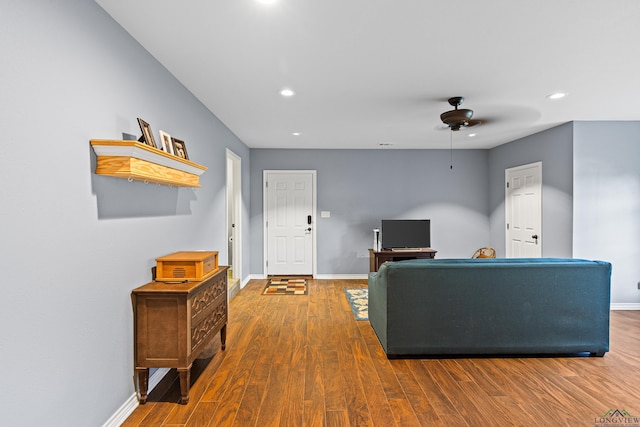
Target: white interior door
<point>523,204</point>
<point>289,222</point>
<point>234,229</point>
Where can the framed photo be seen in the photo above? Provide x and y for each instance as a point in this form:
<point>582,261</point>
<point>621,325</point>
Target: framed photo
<point>165,139</point>
<point>179,148</point>
<point>147,135</point>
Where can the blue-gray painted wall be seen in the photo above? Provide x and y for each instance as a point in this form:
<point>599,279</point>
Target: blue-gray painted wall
<point>554,148</point>
<point>606,213</point>
<point>361,187</point>
<point>73,245</point>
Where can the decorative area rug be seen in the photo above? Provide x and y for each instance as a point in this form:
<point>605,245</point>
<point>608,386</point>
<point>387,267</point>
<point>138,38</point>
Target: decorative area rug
<point>359,302</point>
<point>284,286</point>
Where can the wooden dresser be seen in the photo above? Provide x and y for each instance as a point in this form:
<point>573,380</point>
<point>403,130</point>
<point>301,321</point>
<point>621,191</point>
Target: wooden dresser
<point>174,322</point>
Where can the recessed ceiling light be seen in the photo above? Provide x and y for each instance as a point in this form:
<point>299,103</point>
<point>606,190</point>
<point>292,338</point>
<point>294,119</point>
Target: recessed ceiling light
<point>471,135</point>
<point>557,95</point>
<point>267,1</point>
<point>296,133</point>
<point>287,93</point>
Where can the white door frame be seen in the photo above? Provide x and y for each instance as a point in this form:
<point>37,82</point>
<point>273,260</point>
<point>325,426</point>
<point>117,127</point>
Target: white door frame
<point>507,204</point>
<point>265,249</point>
<point>234,196</point>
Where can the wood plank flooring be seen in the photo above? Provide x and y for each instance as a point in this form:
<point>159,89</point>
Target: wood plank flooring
<point>304,360</point>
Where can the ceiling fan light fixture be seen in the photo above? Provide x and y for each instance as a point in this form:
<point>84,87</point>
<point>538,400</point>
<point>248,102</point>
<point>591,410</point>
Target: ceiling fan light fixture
<point>456,118</point>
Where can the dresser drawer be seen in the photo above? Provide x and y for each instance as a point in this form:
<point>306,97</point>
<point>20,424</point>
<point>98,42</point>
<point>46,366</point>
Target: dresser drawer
<point>209,323</point>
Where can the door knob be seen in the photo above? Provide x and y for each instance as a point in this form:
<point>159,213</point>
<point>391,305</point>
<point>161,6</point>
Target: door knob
<point>309,229</point>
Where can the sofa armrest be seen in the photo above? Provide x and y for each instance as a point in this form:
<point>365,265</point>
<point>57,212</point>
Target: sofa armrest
<point>378,304</point>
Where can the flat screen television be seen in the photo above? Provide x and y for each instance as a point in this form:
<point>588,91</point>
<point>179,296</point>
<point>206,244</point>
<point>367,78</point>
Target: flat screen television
<point>406,233</point>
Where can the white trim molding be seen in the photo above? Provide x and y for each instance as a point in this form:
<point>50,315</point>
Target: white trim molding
<point>123,412</point>
<point>341,276</point>
<point>625,306</point>
<point>317,276</point>
<point>132,402</point>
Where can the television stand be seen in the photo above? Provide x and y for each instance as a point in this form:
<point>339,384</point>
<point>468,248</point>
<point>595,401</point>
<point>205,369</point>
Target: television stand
<point>377,258</point>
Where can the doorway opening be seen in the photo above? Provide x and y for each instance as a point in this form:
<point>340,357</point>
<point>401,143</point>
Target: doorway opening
<point>234,223</point>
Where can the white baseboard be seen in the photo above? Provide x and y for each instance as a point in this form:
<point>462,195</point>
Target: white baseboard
<point>317,276</point>
<point>625,306</point>
<point>123,412</point>
<point>341,276</point>
<point>132,403</point>
<point>245,281</point>
<point>614,306</point>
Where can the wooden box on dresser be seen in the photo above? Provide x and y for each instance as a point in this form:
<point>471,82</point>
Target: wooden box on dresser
<point>174,322</point>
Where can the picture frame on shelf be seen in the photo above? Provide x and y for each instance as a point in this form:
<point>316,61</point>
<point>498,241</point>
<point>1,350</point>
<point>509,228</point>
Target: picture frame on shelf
<point>179,149</point>
<point>167,144</point>
<point>147,135</point>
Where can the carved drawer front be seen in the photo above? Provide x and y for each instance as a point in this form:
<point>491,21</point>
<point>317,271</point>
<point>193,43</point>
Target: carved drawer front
<point>208,311</point>
<point>209,325</point>
<point>204,299</point>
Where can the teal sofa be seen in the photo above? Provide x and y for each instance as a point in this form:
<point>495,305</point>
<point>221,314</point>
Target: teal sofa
<point>499,307</point>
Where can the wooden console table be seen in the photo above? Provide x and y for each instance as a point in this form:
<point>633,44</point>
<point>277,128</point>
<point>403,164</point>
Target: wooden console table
<point>377,258</point>
<point>174,322</point>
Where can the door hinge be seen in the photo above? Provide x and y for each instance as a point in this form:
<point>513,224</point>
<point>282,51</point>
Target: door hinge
<point>507,184</point>
<point>507,226</point>
<point>266,263</point>
<point>266,184</point>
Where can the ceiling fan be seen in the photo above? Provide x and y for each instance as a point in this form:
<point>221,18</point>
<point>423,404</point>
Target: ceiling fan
<point>458,117</point>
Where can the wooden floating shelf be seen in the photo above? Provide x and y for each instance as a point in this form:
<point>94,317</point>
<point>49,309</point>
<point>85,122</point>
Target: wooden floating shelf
<point>140,162</point>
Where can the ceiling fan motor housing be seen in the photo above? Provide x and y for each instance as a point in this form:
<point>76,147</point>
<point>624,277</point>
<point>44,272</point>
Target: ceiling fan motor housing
<point>458,117</point>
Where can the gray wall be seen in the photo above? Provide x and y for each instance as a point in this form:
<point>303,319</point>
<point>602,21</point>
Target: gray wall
<point>73,244</point>
<point>361,187</point>
<point>606,215</point>
<point>554,148</point>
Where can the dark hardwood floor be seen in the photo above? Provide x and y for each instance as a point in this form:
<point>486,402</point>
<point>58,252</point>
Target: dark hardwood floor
<point>306,361</point>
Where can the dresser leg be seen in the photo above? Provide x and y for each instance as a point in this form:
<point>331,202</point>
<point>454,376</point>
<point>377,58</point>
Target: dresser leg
<point>185,382</point>
<point>223,337</point>
<point>143,383</point>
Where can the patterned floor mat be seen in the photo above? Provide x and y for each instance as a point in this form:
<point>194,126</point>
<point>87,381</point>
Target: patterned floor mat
<point>359,302</point>
<point>286,286</point>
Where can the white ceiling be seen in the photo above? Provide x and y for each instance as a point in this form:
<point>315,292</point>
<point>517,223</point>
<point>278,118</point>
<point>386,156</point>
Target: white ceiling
<point>371,72</point>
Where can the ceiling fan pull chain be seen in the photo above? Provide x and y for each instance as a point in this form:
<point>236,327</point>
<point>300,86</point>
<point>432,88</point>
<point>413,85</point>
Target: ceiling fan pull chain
<point>451,149</point>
